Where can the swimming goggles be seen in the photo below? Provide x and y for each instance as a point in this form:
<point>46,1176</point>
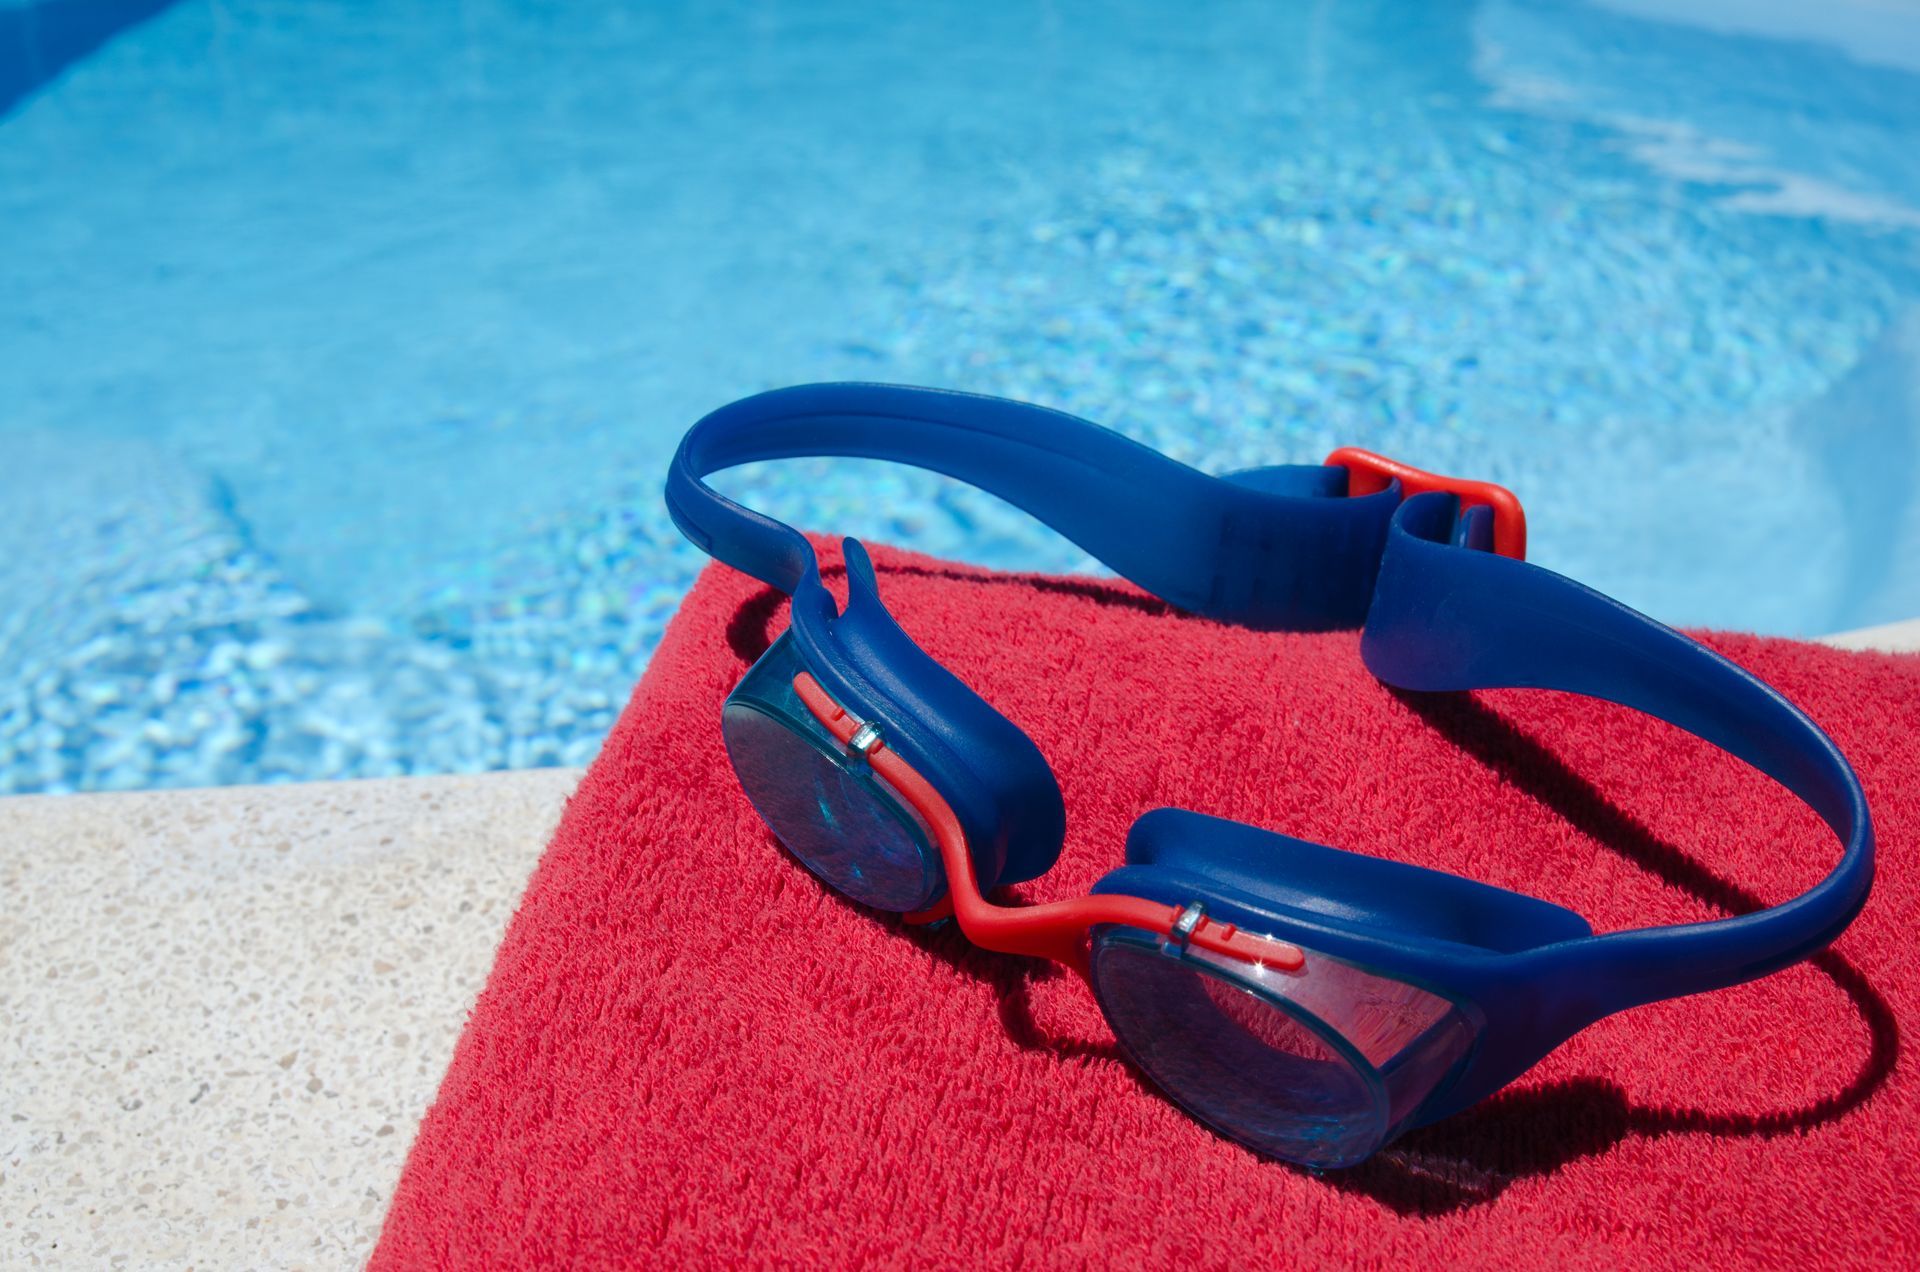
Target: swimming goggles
<point>1307,1002</point>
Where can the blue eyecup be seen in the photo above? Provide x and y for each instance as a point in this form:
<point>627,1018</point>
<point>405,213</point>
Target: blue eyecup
<point>989,771</point>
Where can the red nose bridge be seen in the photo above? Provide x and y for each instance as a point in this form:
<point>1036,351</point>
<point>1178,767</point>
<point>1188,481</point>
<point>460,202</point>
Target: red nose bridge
<point>1057,930</point>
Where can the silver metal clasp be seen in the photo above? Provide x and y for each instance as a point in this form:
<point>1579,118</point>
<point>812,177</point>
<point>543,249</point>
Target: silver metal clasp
<point>865,738</point>
<point>1188,922</point>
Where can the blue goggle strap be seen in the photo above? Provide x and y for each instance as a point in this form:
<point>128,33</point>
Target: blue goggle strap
<point>1446,617</point>
<point>1267,548</point>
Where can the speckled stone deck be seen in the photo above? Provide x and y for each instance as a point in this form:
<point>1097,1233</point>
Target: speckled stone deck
<point>1890,637</point>
<point>226,1010</point>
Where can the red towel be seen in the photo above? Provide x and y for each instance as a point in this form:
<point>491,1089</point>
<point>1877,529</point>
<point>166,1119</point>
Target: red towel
<point>689,1053</point>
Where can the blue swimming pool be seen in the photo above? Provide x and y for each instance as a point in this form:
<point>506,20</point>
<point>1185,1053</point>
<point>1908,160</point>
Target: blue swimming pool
<point>342,345</point>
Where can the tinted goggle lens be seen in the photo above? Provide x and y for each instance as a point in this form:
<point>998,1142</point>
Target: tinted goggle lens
<point>826,805</point>
<point>1320,1066</point>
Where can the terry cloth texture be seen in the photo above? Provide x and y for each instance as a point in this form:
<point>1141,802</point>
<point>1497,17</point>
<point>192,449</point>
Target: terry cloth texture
<point>690,1053</point>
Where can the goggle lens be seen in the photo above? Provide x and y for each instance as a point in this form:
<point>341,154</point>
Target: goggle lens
<point>827,806</point>
<point>1320,1066</point>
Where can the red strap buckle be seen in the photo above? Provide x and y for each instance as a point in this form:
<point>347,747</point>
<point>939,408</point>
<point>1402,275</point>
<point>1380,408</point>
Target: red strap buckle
<point>1369,472</point>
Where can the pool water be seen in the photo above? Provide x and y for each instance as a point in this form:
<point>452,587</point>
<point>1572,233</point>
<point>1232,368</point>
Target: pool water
<point>343,346</point>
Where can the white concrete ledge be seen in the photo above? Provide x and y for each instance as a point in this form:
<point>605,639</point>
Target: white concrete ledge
<point>1890,638</point>
<point>225,1011</point>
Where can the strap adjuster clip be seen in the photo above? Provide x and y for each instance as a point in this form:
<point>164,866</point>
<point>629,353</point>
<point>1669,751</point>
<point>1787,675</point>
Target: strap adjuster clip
<point>1368,472</point>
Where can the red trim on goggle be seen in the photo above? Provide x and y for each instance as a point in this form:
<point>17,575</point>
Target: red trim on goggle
<point>1057,930</point>
<point>1369,472</point>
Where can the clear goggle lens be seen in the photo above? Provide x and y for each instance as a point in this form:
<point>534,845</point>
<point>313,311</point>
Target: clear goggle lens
<point>1322,1065</point>
<point>829,808</point>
